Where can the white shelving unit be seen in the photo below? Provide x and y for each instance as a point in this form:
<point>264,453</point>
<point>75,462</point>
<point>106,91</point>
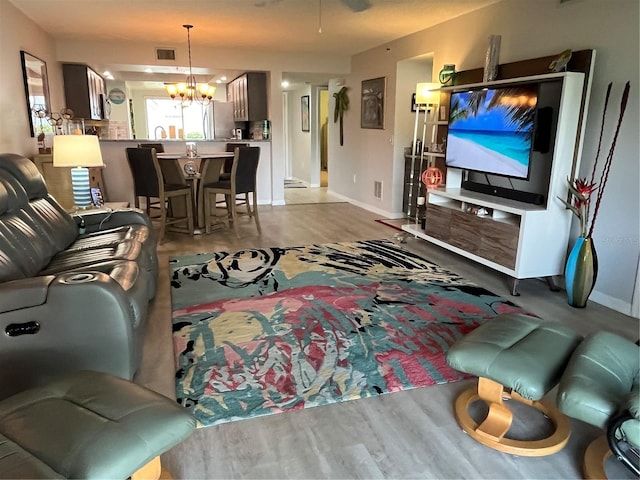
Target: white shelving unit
<point>519,239</point>
<point>419,161</point>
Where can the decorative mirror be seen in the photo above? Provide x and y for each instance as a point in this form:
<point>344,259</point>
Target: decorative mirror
<point>36,89</point>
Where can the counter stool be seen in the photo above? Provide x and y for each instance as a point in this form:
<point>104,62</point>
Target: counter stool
<point>89,425</point>
<point>515,357</point>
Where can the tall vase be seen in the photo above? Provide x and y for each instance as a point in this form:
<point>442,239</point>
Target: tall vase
<point>581,271</point>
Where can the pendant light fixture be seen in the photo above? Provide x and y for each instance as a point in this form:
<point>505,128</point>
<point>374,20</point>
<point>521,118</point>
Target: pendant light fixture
<point>190,90</point>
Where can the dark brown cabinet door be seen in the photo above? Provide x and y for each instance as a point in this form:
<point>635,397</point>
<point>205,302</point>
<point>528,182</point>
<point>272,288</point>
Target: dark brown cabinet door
<point>84,91</point>
<point>248,94</point>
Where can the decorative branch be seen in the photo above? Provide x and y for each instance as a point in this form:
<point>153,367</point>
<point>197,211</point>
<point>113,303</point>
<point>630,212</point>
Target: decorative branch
<point>607,166</point>
<point>342,105</point>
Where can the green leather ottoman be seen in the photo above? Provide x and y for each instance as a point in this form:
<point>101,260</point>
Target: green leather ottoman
<point>515,357</point>
<point>88,425</point>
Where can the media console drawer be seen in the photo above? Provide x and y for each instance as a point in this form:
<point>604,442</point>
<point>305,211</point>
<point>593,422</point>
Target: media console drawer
<point>487,237</point>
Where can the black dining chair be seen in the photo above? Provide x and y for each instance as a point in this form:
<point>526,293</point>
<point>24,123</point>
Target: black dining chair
<point>150,202</point>
<point>243,181</point>
<point>152,180</point>
<point>210,172</point>
<point>158,146</point>
<point>226,169</point>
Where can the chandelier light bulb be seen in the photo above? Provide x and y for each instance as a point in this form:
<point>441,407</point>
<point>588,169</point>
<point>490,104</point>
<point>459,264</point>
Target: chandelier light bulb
<point>172,90</point>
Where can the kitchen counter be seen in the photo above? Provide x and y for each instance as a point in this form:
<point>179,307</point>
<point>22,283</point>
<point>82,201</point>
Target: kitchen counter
<point>118,182</point>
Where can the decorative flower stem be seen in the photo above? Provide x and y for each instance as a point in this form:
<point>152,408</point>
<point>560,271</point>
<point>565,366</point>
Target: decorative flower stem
<point>607,165</point>
<point>581,190</point>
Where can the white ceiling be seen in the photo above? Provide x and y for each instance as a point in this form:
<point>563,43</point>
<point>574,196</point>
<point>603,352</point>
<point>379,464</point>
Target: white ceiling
<point>271,25</point>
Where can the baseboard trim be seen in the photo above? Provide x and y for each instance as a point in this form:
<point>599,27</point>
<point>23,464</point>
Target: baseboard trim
<point>365,206</point>
<point>611,302</point>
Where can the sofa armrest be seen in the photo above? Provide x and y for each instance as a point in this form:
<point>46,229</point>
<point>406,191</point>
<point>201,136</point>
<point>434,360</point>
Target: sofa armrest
<point>104,219</point>
<point>86,322</point>
<point>29,292</point>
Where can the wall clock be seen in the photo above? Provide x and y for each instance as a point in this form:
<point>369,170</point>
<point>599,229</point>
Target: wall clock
<point>117,96</point>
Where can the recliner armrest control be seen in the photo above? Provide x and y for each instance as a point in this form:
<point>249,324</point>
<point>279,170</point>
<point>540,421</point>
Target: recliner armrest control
<point>27,328</point>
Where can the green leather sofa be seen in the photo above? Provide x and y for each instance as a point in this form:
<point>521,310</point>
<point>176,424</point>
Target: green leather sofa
<point>69,299</point>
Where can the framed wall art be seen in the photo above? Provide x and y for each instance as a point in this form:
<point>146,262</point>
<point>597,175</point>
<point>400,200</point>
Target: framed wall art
<point>372,110</point>
<point>304,113</point>
<point>36,90</point>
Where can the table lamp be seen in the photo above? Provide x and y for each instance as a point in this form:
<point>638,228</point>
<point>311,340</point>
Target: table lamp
<point>78,152</point>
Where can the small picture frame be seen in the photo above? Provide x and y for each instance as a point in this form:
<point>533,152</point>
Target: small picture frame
<point>304,113</point>
<point>96,197</point>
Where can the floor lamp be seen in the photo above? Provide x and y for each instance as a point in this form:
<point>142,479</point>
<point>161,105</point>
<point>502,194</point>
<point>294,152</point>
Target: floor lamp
<point>78,152</point>
<point>426,100</point>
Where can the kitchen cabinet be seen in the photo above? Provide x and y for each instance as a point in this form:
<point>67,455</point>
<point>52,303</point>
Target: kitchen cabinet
<point>248,94</point>
<point>84,91</point>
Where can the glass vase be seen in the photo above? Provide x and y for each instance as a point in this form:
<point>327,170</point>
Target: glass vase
<point>580,272</point>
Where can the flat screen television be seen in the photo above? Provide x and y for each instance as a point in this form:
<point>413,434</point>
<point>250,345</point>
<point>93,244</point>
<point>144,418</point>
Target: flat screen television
<point>491,130</point>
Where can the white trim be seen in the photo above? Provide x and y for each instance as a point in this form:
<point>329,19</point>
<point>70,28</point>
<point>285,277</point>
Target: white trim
<point>365,206</point>
<point>611,302</point>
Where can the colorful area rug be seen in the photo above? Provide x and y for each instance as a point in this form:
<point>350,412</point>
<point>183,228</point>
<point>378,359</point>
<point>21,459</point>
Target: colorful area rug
<point>271,330</point>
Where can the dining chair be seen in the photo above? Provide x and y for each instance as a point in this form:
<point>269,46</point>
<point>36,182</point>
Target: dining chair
<point>165,183</point>
<point>210,173</point>
<point>158,146</point>
<point>226,170</point>
<point>149,202</point>
<point>243,181</point>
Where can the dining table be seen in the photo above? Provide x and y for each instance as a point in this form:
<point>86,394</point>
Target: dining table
<point>191,168</point>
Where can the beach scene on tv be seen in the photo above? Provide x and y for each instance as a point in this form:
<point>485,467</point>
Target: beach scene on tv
<point>490,130</point>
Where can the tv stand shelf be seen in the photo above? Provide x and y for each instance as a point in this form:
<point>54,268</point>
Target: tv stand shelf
<point>518,239</point>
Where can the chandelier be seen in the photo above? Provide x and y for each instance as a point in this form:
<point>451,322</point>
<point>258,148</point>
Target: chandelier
<point>190,90</point>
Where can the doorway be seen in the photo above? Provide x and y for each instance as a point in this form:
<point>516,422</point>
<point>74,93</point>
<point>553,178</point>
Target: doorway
<point>323,135</point>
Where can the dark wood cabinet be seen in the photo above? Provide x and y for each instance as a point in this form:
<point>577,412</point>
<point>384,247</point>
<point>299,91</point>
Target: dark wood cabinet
<point>84,91</point>
<point>248,94</point>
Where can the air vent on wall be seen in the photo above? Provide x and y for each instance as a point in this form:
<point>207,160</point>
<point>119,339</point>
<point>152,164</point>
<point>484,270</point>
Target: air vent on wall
<point>165,54</point>
<point>377,189</point>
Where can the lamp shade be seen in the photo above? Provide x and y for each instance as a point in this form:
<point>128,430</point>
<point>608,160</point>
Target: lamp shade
<point>76,151</point>
<point>426,94</point>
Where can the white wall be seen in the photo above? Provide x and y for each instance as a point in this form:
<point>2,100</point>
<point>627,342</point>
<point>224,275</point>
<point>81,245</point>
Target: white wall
<point>528,30</point>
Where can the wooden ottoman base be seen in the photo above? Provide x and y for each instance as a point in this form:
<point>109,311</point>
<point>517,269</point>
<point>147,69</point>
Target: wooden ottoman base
<point>595,458</point>
<point>491,432</point>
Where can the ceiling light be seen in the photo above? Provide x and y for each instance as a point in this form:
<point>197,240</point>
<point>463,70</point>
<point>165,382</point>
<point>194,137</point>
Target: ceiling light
<point>191,90</point>
<point>223,78</point>
<point>148,70</point>
<point>284,84</point>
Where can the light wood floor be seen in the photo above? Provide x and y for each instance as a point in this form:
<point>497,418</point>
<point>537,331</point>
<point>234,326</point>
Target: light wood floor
<point>410,434</point>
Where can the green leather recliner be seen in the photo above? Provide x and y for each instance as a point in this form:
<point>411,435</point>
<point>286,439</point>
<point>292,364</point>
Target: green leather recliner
<point>89,425</point>
<point>601,386</point>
